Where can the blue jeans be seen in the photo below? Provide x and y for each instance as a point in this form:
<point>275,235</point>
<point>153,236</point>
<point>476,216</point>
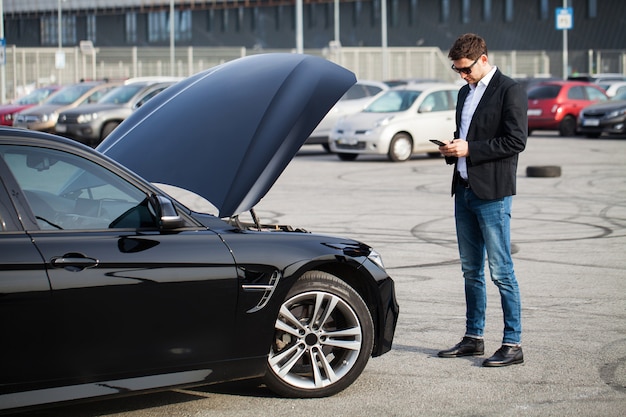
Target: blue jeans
<point>484,226</point>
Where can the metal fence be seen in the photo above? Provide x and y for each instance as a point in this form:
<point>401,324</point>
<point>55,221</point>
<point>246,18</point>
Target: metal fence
<point>29,67</point>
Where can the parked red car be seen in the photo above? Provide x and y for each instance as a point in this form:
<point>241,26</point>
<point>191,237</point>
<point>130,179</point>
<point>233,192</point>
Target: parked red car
<point>555,105</point>
<point>35,97</point>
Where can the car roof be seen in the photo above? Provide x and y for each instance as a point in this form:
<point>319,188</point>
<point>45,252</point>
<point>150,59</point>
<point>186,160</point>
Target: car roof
<point>403,81</point>
<point>426,86</point>
<point>153,80</point>
<point>372,82</point>
<point>566,83</point>
<point>600,77</point>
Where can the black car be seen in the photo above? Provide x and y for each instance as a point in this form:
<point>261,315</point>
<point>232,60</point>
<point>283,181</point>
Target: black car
<point>604,117</point>
<point>110,286</point>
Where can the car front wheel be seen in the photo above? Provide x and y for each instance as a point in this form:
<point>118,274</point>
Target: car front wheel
<point>323,338</point>
<point>400,148</point>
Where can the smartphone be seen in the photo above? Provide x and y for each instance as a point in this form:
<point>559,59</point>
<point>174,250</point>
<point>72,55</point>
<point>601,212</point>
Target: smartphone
<point>438,142</point>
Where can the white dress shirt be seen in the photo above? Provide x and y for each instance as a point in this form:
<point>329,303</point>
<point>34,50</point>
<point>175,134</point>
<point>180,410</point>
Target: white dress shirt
<point>471,102</point>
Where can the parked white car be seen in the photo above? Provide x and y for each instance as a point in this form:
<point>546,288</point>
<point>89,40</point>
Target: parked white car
<point>398,123</point>
<point>613,88</point>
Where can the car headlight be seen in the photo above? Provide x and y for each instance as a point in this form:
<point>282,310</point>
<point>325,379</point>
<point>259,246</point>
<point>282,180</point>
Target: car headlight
<point>615,113</point>
<point>384,122</point>
<point>376,258</point>
<point>87,117</point>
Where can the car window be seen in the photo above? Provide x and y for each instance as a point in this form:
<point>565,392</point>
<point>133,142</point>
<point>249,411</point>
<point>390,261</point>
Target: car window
<point>35,97</point>
<point>621,94</point>
<point>620,90</point>
<point>372,90</point>
<point>95,96</point>
<point>436,101</point>
<point>594,94</point>
<point>544,92</point>
<point>68,192</point>
<point>148,97</point>
<point>576,93</point>
<point>121,95</point>
<point>393,101</point>
<point>355,92</point>
<point>69,94</point>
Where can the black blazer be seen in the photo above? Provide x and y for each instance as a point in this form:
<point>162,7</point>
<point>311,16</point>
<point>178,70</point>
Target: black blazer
<point>496,136</point>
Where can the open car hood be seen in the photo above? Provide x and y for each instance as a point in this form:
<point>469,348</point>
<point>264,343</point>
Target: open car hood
<point>228,133</point>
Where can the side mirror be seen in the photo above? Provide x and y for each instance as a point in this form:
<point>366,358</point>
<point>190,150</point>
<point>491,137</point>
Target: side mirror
<point>166,212</point>
<point>425,108</point>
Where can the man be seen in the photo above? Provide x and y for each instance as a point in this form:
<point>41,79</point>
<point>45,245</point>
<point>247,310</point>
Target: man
<point>491,130</point>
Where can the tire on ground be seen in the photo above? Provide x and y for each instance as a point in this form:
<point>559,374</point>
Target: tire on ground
<point>543,171</point>
<point>323,339</point>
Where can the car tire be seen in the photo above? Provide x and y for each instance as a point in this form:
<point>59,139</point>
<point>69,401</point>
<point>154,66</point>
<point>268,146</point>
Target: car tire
<point>567,127</point>
<point>543,171</point>
<point>107,129</point>
<point>324,335</point>
<point>400,147</point>
<point>347,156</point>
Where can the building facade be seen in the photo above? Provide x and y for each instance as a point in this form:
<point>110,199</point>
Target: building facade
<point>271,24</point>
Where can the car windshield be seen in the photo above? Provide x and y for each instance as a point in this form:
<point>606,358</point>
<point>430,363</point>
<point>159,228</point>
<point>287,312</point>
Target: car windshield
<point>620,96</point>
<point>34,97</point>
<point>544,91</point>
<point>70,94</point>
<point>121,95</point>
<point>393,101</point>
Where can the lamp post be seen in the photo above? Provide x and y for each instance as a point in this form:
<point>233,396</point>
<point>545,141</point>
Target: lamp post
<point>172,37</point>
<point>383,36</point>
<point>299,34</point>
<point>336,12</point>
<point>3,87</point>
<point>59,58</point>
<point>59,33</point>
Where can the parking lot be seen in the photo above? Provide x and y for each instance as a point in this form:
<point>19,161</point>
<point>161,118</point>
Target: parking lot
<point>569,243</point>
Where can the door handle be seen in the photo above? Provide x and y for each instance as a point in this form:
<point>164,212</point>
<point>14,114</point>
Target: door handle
<point>74,262</point>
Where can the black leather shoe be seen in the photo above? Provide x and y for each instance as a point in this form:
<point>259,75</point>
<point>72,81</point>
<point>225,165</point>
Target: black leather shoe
<point>505,356</point>
<point>469,346</point>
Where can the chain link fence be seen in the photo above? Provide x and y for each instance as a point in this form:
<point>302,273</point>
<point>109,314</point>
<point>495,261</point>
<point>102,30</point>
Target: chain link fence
<point>27,68</point>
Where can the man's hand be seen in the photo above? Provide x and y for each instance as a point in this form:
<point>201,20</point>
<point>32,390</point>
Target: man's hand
<point>456,148</point>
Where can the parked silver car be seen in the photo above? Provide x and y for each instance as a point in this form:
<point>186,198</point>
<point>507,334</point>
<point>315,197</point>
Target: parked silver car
<point>44,116</point>
<point>91,123</point>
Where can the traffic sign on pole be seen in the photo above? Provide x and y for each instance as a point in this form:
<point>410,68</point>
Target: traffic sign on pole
<point>564,18</point>
<point>3,52</point>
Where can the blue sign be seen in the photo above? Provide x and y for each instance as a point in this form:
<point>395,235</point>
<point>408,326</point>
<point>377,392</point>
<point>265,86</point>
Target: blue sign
<point>3,52</point>
<point>564,18</point>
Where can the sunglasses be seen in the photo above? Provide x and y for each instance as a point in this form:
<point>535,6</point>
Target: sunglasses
<point>465,70</point>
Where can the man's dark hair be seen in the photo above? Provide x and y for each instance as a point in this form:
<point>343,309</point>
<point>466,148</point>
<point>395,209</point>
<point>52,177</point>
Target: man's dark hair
<point>470,46</point>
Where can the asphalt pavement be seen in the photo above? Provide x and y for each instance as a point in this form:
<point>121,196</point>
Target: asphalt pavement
<point>569,243</point>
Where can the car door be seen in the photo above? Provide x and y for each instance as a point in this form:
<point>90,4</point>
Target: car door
<point>126,297</point>
<point>25,296</point>
<point>594,95</point>
<point>435,120</point>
